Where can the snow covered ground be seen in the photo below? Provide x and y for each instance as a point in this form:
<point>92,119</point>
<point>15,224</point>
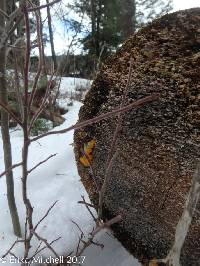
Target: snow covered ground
<point>56,180</point>
<point>70,84</point>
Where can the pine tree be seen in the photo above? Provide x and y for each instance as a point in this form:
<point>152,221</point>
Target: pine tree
<point>112,21</point>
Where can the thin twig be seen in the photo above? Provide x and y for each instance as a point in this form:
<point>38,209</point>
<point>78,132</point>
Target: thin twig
<point>13,167</point>
<point>12,254</point>
<point>96,119</point>
<point>8,110</point>
<point>39,250</point>
<point>107,224</point>
<point>87,207</point>
<point>12,29</point>
<point>41,59</point>
<point>46,214</point>
<point>97,230</point>
<point>48,245</point>
<point>3,13</point>
<point>44,161</point>
<point>120,115</point>
<point>112,154</point>
<point>104,186</point>
<point>43,6</point>
<point>13,245</point>
<point>78,227</point>
<point>86,203</point>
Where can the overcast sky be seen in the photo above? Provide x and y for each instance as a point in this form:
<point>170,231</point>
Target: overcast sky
<point>62,40</point>
<point>184,4</point>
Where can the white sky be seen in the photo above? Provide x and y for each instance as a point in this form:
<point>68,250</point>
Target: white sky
<point>62,39</point>
<point>184,4</point>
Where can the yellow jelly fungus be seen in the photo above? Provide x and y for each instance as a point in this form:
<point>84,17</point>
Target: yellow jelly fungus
<point>87,157</point>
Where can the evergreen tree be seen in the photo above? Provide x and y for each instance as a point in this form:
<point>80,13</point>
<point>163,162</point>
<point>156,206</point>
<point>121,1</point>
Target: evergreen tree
<point>112,21</point>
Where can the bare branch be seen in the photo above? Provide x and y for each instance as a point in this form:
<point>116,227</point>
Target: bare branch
<point>3,13</point>
<point>90,241</point>
<point>96,119</point>
<point>25,150</point>
<point>38,250</point>
<point>13,167</point>
<point>120,115</point>
<point>112,154</point>
<point>11,30</point>
<point>48,245</point>
<point>17,12</point>
<point>104,186</point>
<point>8,110</point>
<point>13,245</point>
<point>43,6</point>
<point>86,203</point>
<point>44,161</point>
<point>41,57</point>
<point>78,227</point>
<point>46,214</point>
<point>108,224</point>
<point>87,206</point>
<point>12,254</point>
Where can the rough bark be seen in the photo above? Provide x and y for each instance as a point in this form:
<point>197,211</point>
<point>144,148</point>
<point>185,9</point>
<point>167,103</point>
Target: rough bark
<point>6,136</point>
<point>158,145</point>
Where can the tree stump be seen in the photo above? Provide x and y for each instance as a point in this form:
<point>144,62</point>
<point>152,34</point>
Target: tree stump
<point>159,143</point>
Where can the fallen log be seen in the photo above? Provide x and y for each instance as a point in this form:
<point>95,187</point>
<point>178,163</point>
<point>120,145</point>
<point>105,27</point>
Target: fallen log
<point>47,114</point>
<point>158,145</point>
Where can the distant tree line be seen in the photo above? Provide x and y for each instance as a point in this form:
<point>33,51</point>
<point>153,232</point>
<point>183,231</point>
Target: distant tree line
<point>113,21</point>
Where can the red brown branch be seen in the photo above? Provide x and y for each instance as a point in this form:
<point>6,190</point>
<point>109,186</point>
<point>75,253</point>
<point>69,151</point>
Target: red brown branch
<point>38,250</point>
<point>87,207</point>
<point>43,6</point>
<point>105,183</point>
<point>96,119</point>
<point>46,214</point>
<point>120,115</point>
<point>41,58</point>
<point>44,161</point>
<point>13,167</point>
<point>48,245</point>
<point>109,223</point>
<point>7,109</point>
<point>13,245</point>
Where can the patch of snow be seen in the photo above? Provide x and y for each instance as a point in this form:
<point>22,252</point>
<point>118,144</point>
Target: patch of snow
<point>56,180</point>
<point>70,84</point>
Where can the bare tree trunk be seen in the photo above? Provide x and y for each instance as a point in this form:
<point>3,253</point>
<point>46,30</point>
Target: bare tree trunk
<point>93,25</point>
<point>51,37</point>
<point>6,136</point>
<point>128,14</point>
